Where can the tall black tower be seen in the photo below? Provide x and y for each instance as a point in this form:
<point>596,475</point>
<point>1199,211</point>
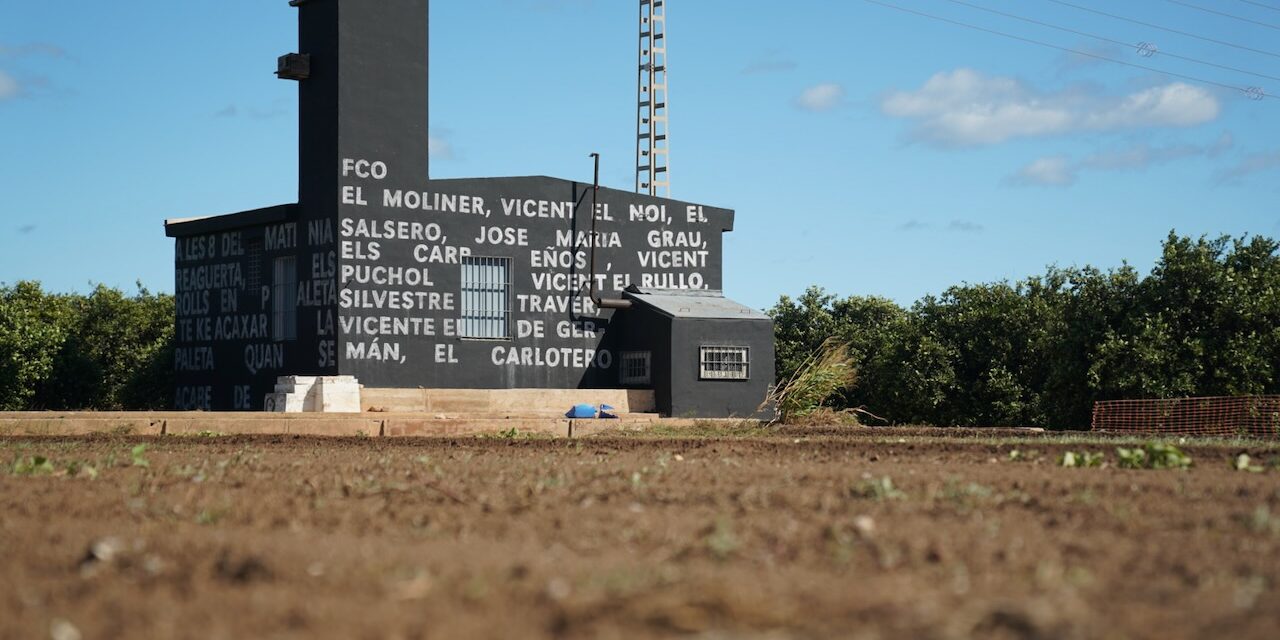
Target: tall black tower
<point>364,96</point>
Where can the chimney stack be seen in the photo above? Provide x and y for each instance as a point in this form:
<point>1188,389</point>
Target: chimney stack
<point>362,92</point>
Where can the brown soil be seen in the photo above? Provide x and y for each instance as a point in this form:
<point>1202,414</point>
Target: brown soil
<point>790,535</point>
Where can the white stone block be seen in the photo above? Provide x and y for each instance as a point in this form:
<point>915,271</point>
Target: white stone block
<point>329,394</point>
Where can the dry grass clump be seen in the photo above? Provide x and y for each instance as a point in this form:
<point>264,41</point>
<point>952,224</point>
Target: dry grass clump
<point>802,397</point>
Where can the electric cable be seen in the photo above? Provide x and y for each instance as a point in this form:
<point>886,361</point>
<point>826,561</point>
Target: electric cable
<point>1252,92</point>
<point>1224,14</point>
<point>1168,29</point>
<point>1154,51</point>
<point>1261,4</point>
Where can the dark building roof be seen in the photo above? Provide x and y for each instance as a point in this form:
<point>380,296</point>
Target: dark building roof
<point>181,227</point>
<point>683,303</point>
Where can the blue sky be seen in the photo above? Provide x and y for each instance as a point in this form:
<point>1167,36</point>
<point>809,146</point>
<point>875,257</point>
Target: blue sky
<point>865,149</point>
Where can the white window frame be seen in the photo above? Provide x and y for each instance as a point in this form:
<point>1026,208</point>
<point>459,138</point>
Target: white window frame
<point>625,376</point>
<point>486,298</point>
<point>715,362</point>
<point>284,298</point>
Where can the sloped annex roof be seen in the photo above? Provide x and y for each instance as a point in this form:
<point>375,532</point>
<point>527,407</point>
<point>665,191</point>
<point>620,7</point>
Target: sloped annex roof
<point>181,227</point>
<point>682,303</point>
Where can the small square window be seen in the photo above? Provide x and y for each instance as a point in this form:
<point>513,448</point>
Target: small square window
<point>634,368</point>
<point>725,363</point>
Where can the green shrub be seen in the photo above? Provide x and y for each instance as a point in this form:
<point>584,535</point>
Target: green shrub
<point>1041,351</point>
<point>105,350</point>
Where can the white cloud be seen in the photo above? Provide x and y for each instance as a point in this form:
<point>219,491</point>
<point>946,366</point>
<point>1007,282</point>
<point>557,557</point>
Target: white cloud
<point>761,67</point>
<point>822,97</point>
<point>1053,171</point>
<point>1175,105</point>
<point>962,226</point>
<point>968,108</point>
<point>278,108</point>
<point>1060,171</point>
<point>439,148</point>
<point>8,86</point>
<point>31,49</point>
<point>966,226</point>
<point>1250,164</point>
<point>772,61</point>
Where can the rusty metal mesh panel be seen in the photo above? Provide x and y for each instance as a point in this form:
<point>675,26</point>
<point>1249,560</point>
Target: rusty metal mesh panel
<point>1257,416</point>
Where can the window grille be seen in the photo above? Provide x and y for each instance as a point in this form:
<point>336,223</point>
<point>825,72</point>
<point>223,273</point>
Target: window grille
<point>725,363</point>
<point>486,298</point>
<point>284,299</point>
<point>253,267</point>
<point>634,368</point>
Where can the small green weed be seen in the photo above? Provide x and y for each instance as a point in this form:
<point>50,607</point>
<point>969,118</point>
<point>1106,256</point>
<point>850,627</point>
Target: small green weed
<point>210,516</point>
<point>76,469</point>
<point>1025,455</point>
<point>33,466</point>
<point>1262,521</point>
<point>1082,459</point>
<point>663,460</point>
<point>44,466</point>
<point>190,472</point>
<point>878,489</point>
<point>138,454</point>
<point>1244,463</point>
<point>1154,455</point>
<point>965,494</point>
<point>721,542</point>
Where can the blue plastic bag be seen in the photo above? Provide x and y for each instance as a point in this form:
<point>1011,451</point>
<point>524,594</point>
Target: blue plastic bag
<point>581,411</point>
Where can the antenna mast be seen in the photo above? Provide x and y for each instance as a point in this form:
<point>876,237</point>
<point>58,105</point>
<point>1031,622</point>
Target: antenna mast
<point>652,153</point>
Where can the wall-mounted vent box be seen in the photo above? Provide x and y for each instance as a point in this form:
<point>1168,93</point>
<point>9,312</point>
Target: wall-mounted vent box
<point>293,66</point>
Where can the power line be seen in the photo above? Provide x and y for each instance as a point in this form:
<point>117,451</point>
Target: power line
<point>1109,40</point>
<point>1261,4</point>
<point>1252,92</point>
<point>1224,14</point>
<point>1168,29</point>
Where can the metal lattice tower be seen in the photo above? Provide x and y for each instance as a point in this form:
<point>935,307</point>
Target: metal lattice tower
<point>652,153</point>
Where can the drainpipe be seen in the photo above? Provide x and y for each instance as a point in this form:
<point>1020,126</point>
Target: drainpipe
<point>595,296</point>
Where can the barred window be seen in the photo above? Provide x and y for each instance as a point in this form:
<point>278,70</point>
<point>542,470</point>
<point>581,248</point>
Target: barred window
<point>725,363</point>
<point>284,297</point>
<point>634,368</point>
<point>486,297</point>
<point>253,267</point>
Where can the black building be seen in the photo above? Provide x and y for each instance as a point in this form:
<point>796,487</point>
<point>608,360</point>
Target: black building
<point>405,282</point>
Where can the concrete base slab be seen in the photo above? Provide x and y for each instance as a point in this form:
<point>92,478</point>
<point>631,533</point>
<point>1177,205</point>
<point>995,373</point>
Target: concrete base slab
<point>314,424</point>
<point>517,401</point>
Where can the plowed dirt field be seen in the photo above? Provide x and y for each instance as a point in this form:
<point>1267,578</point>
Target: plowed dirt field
<point>758,534</point>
